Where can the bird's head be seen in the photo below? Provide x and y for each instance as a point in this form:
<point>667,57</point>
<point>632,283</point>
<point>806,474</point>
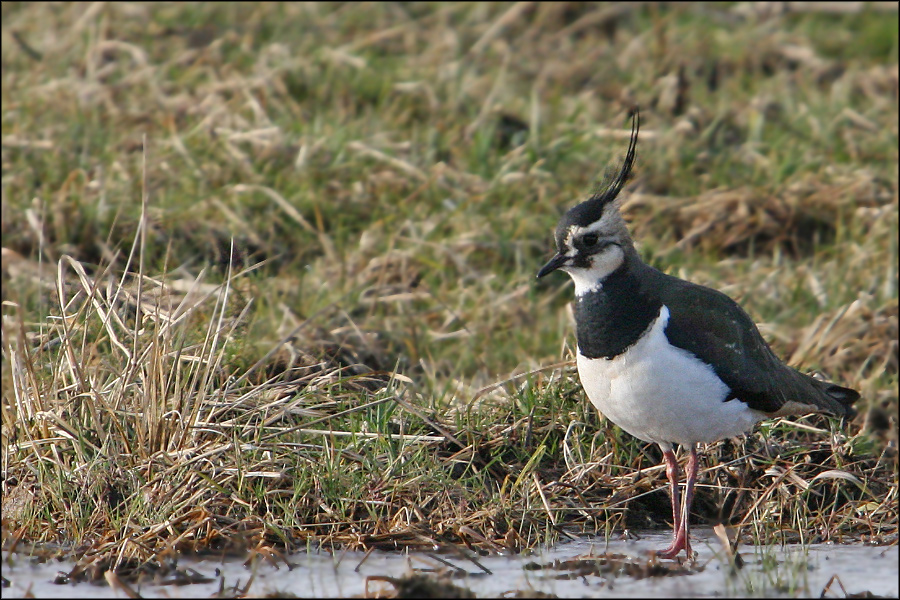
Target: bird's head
<point>591,238</point>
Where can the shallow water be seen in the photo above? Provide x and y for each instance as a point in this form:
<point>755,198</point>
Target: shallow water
<point>790,572</point>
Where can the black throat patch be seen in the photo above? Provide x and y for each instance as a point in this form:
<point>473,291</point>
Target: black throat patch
<point>611,319</point>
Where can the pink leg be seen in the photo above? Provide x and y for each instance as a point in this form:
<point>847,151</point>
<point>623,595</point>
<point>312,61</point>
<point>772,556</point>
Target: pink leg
<point>682,539</point>
<point>692,468</point>
<point>672,473</point>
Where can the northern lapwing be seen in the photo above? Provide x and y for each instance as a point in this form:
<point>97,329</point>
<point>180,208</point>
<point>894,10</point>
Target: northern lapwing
<point>667,360</point>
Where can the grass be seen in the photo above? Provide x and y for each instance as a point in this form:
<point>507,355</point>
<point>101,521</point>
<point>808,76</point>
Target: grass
<point>269,269</point>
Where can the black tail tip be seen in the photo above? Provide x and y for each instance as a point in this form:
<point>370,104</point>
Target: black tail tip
<point>845,397</point>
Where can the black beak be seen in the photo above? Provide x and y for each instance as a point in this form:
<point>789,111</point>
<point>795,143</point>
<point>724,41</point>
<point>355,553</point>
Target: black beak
<point>555,263</point>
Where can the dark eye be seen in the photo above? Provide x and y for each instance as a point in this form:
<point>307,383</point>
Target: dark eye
<point>590,239</point>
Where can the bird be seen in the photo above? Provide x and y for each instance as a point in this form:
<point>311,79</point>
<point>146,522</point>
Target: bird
<point>669,361</point>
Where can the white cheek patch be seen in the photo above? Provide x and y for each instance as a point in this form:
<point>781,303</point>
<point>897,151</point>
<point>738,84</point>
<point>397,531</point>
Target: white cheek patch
<point>602,264</point>
<point>607,261</point>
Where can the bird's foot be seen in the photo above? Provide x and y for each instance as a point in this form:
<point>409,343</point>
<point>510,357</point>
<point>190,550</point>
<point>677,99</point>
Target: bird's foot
<point>681,542</point>
<point>670,552</point>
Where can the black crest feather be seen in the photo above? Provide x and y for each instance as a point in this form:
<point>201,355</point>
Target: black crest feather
<point>591,209</point>
<point>610,190</point>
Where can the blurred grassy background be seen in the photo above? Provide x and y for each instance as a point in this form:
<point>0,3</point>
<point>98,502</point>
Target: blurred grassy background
<point>392,173</point>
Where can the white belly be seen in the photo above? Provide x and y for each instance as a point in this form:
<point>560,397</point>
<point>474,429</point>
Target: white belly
<point>663,394</point>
